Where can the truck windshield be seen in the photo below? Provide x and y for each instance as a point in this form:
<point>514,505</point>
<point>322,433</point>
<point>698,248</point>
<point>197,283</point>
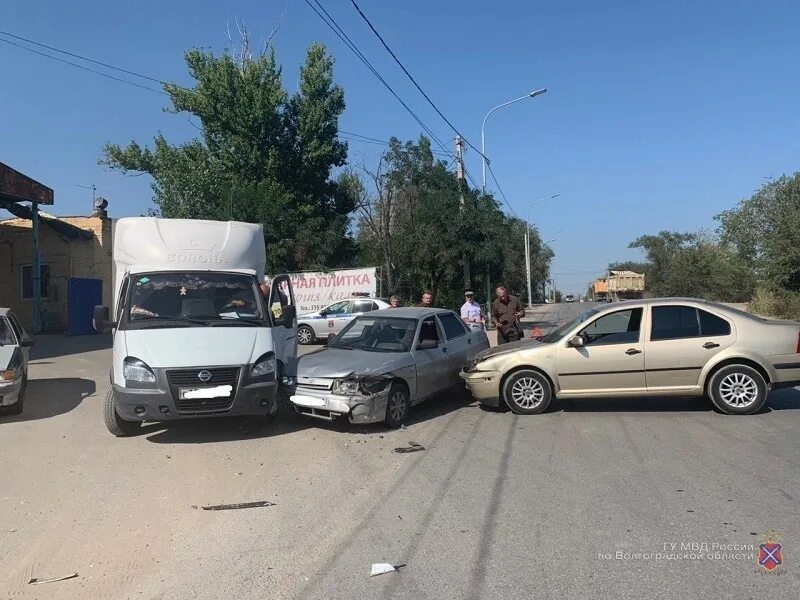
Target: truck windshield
<point>194,300</point>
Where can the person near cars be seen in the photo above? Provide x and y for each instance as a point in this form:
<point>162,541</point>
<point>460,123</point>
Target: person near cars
<point>394,301</point>
<point>506,313</point>
<point>471,311</point>
<point>427,300</point>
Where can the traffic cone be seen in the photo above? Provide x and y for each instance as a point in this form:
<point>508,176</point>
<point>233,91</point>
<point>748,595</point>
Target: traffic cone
<point>536,332</point>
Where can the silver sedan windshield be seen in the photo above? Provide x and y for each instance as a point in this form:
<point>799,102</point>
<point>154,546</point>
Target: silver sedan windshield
<point>377,334</point>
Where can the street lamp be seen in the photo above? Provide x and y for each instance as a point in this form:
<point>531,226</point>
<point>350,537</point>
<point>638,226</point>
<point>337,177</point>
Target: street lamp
<point>528,245</point>
<point>532,94</point>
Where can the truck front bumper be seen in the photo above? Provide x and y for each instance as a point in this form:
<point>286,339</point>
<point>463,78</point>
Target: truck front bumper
<point>162,402</point>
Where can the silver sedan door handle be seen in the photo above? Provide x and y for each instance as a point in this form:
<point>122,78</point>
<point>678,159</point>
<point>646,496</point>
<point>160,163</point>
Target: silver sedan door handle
<point>709,345</point>
<point>632,351</point>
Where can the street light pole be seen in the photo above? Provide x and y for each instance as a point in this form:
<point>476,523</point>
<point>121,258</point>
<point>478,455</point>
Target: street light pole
<point>528,245</point>
<point>532,94</point>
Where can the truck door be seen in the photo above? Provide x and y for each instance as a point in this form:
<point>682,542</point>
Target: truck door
<point>283,313</point>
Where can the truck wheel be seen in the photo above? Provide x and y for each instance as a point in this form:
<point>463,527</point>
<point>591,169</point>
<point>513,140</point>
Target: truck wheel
<point>114,423</point>
<point>305,335</point>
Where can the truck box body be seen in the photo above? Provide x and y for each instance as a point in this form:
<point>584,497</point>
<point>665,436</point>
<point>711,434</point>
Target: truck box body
<point>193,333</point>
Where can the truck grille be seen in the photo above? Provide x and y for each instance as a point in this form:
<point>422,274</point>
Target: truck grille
<point>188,378</point>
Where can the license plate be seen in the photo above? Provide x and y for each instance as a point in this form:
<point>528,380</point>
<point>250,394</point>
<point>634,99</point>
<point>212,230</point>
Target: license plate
<point>307,400</point>
<point>220,391</point>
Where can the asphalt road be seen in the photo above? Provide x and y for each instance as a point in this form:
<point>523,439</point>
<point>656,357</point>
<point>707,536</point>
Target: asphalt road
<point>496,506</point>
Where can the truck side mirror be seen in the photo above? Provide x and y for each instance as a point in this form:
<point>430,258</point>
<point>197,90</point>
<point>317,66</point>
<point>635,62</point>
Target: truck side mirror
<point>101,320</point>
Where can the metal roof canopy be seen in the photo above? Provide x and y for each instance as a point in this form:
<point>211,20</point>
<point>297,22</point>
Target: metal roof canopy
<point>16,187</point>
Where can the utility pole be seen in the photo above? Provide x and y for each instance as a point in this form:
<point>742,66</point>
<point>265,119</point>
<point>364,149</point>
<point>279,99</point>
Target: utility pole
<point>528,261</point>
<point>460,173</point>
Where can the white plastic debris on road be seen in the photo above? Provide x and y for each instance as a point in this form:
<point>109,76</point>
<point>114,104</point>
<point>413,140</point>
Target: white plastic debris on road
<point>381,568</point>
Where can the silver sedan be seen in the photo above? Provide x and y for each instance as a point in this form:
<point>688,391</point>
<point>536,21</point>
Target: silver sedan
<point>384,362</point>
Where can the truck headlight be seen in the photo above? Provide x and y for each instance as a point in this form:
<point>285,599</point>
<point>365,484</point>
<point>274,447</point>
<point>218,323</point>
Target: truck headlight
<point>346,387</point>
<point>137,371</point>
<point>264,366</point>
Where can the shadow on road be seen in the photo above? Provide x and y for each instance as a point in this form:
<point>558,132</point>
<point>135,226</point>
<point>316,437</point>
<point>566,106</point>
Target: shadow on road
<point>46,398</point>
<point>786,399</point>
<point>52,346</point>
<point>210,430</point>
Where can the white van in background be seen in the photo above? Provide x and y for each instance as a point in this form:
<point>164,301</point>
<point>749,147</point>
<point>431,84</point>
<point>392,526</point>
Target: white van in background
<point>193,334</point>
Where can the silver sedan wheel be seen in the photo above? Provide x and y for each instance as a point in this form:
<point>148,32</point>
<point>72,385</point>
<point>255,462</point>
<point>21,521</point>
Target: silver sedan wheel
<point>738,390</point>
<point>398,407</point>
<point>527,392</point>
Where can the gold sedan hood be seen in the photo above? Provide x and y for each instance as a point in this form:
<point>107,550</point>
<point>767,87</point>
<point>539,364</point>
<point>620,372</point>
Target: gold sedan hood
<point>507,348</point>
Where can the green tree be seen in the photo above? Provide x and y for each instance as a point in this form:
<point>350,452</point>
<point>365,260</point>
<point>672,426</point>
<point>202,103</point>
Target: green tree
<point>765,231</point>
<point>262,156</point>
<point>418,220</point>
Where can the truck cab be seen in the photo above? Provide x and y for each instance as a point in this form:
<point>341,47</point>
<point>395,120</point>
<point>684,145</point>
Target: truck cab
<point>197,332</point>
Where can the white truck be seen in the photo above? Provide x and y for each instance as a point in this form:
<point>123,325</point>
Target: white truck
<point>194,334</point>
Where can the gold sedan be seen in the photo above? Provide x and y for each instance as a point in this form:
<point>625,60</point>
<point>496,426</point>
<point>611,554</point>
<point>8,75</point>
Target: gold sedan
<point>655,347</point>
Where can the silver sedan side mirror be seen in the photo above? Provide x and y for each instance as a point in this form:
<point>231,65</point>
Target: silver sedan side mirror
<point>576,341</point>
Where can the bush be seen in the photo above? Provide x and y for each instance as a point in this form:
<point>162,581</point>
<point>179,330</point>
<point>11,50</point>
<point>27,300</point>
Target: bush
<point>780,304</point>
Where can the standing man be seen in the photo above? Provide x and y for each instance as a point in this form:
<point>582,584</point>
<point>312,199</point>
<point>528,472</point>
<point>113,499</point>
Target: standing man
<point>427,300</point>
<point>506,313</point>
<point>471,311</point>
<point>394,301</point>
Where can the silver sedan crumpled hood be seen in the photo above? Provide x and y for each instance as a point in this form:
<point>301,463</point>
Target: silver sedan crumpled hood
<point>523,344</point>
<point>336,362</point>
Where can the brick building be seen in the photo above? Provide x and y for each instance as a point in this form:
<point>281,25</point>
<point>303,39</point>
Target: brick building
<point>70,247</point>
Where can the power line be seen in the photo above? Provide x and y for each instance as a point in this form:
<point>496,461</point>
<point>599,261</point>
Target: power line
<point>414,81</point>
<point>499,189</point>
<point>76,65</point>
<point>334,26</point>
<point>78,56</point>
<point>357,137</point>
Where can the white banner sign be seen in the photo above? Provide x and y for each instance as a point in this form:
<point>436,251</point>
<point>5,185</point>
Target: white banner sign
<point>314,291</point>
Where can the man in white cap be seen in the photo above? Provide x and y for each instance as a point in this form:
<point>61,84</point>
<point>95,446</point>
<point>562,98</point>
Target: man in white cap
<point>471,311</point>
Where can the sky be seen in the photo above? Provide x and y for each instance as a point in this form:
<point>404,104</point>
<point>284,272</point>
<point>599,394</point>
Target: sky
<point>657,115</point>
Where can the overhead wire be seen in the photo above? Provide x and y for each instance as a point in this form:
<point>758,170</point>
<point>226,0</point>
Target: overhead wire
<point>502,194</point>
<point>78,56</point>
<point>411,77</point>
<point>84,68</point>
<point>334,26</point>
<point>355,136</point>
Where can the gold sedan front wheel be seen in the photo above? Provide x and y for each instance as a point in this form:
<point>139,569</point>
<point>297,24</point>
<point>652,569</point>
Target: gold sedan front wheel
<point>527,392</point>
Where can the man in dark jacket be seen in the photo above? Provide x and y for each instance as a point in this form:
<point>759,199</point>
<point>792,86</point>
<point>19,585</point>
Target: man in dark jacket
<point>506,314</point>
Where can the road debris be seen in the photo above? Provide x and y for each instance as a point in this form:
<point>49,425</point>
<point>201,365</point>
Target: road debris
<point>259,504</point>
<point>383,568</point>
<point>37,581</point>
<point>412,447</point>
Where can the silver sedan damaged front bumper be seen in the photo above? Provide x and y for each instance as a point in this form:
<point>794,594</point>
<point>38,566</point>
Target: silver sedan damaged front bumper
<point>360,408</point>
